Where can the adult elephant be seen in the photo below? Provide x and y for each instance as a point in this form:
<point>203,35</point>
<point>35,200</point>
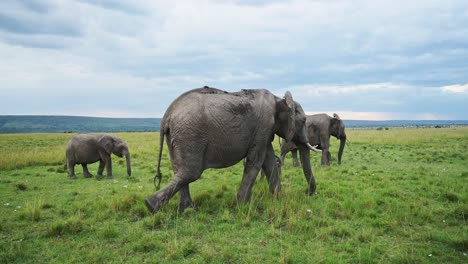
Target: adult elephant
<point>319,128</point>
<point>211,128</point>
<point>89,148</point>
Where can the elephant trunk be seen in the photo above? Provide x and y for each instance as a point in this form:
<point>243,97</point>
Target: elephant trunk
<point>340,151</point>
<point>129,167</point>
<point>307,169</point>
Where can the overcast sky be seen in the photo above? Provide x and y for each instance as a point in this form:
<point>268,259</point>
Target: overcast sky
<point>362,59</point>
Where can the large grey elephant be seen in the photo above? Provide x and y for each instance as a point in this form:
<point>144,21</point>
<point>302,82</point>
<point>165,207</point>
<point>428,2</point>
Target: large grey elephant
<point>211,128</point>
<point>319,128</point>
<point>89,148</point>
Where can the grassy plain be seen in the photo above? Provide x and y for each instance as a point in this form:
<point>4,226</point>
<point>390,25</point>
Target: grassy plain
<point>400,196</point>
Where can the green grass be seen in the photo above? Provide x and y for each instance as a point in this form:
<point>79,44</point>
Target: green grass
<point>400,196</point>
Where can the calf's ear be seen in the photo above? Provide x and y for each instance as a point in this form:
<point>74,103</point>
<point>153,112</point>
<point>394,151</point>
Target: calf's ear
<point>107,143</point>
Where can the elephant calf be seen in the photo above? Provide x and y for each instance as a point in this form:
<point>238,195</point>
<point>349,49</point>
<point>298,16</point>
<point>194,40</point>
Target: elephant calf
<point>88,148</point>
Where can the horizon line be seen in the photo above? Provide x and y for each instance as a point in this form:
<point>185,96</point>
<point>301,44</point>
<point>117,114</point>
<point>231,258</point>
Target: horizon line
<point>133,117</point>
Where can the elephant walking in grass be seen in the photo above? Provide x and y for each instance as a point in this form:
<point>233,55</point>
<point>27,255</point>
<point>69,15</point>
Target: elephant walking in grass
<point>85,149</point>
<point>211,128</point>
<point>319,128</point>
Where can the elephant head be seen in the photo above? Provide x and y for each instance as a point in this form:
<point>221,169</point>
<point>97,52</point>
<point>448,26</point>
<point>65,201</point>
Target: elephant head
<point>118,147</point>
<point>337,129</point>
<point>291,122</point>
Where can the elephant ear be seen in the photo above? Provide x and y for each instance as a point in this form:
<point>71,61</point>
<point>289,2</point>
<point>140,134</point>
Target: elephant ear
<point>107,143</point>
<point>291,112</point>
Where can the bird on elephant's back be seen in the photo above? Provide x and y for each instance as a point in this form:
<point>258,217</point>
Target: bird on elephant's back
<point>319,128</point>
<point>210,128</point>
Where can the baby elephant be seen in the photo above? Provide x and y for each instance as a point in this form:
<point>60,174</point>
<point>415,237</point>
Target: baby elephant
<point>88,148</point>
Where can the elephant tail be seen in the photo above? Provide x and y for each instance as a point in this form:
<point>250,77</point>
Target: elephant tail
<point>158,172</point>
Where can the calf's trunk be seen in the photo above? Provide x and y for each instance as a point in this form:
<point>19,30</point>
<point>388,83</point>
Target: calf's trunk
<point>340,151</point>
<point>129,167</point>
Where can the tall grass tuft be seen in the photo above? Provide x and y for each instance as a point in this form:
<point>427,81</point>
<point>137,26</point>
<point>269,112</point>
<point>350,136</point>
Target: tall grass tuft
<point>33,210</point>
<point>74,225</point>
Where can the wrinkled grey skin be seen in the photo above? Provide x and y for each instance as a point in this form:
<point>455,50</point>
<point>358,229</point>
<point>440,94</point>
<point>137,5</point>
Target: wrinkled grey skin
<point>319,128</point>
<point>211,128</point>
<point>85,149</point>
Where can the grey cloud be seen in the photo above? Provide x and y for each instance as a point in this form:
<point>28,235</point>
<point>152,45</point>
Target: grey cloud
<point>34,41</point>
<point>257,2</point>
<point>37,25</point>
<point>129,7</point>
<point>33,5</point>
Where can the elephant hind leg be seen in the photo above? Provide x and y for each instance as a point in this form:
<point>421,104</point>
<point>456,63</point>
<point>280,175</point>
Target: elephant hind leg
<point>180,182</point>
<point>71,170</point>
<point>185,201</point>
<point>101,167</point>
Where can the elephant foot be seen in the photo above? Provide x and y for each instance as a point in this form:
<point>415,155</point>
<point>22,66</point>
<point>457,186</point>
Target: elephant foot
<point>296,164</point>
<point>243,197</point>
<point>110,177</point>
<point>152,208</point>
<point>88,175</point>
<point>276,191</point>
<point>310,192</point>
<point>189,206</point>
<point>73,177</point>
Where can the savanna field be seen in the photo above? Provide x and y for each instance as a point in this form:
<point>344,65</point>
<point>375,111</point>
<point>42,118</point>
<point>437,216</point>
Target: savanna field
<point>399,196</point>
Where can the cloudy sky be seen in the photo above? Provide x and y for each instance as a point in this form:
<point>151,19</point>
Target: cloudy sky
<point>363,59</point>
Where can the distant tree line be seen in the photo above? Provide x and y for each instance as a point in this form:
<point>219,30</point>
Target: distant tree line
<point>75,124</point>
<point>79,124</point>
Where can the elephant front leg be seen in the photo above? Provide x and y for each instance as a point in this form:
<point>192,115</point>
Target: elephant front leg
<point>307,169</point>
<point>86,172</point>
<point>326,156</point>
<point>108,163</point>
<point>248,180</point>
<point>252,167</point>
<point>272,170</point>
<point>101,167</point>
<point>294,156</point>
<point>185,201</point>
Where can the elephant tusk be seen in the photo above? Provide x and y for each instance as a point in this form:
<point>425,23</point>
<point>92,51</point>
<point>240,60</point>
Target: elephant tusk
<point>313,147</point>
